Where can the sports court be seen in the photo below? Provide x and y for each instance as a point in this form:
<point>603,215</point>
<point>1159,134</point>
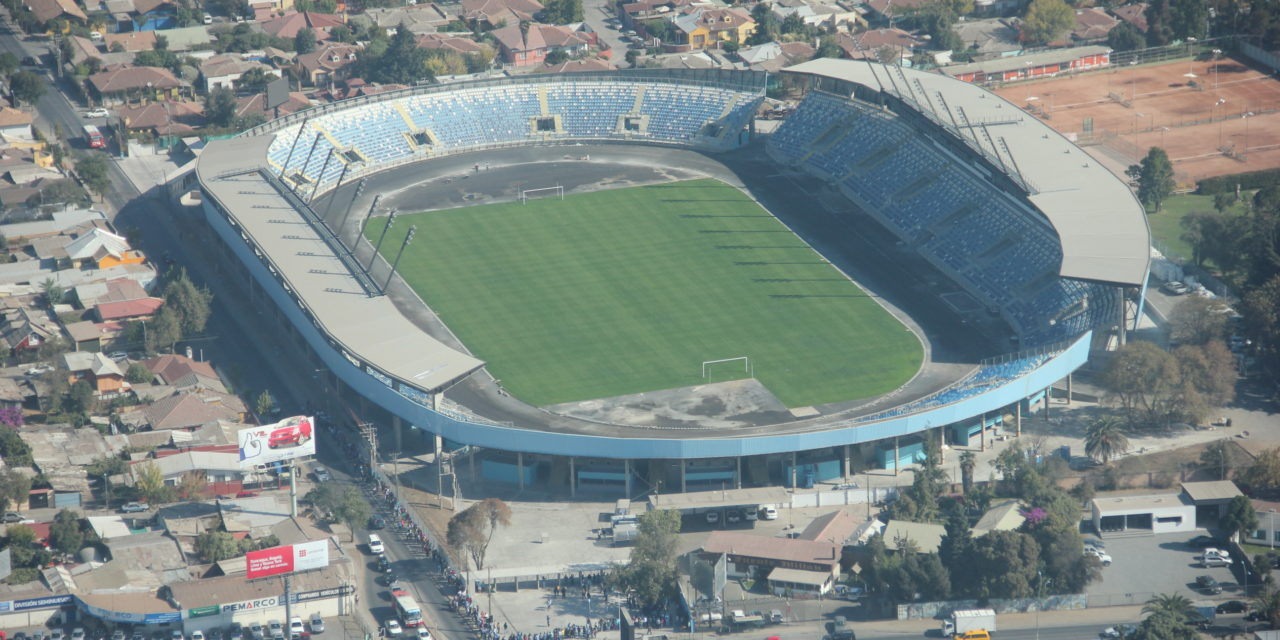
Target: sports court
<point>630,290</point>
<point>1228,121</point>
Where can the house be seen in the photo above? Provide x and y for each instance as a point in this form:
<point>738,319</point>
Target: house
<point>101,372</point>
<point>26,329</point>
<point>1211,499</point>
<point>702,28</point>
<point>491,14</point>
<point>450,43</point>
<point>46,10</point>
<point>816,13</point>
<point>220,470</point>
<point>793,564</point>
<point>420,18</point>
<point>132,41</point>
<point>773,55</point>
<point>59,222</point>
<point>836,527</point>
<point>225,70</point>
<point>993,37</point>
<point>887,10</point>
<point>326,65</point>
<point>288,25</point>
<point>87,335</point>
<point>114,290</point>
<point>153,15</point>
<point>164,118</point>
<point>635,14</point>
<point>1092,24</point>
<point>529,47</point>
<point>136,84</point>
<point>128,310</point>
<point>923,537</point>
<point>15,125</point>
<point>868,44</point>
<point>101,249</point>
<point>184,373</point>
<point>1006,516</point>
<point>1135,14</point>
<point>1035,65</point>
<point>187,411</point>
<point>60,453</point>
<point>256,106</point>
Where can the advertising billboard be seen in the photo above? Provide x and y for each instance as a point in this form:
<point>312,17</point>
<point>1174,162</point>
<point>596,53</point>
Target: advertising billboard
<point>285,440</point>
<point>287,559</point>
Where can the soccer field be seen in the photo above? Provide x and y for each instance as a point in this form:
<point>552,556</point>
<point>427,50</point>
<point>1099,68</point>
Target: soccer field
<point>630,290</point>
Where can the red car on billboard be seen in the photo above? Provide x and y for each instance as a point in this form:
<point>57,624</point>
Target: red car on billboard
<point>290,433</point>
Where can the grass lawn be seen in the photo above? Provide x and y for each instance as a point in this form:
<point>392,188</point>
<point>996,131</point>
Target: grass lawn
<point>1166,226</point>
<point>630,290</point>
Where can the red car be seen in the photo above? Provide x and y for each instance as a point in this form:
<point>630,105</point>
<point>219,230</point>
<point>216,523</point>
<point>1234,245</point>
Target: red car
<point>291,433</point>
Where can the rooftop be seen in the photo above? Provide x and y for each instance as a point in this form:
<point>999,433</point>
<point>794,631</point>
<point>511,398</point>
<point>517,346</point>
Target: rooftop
<point>1133,503</point>
<point>1212,490</point>
<point>780,549</point>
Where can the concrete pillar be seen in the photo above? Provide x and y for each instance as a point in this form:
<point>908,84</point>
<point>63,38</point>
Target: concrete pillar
<point>471,460</point>
<point>396,424</point>
<point>439,458</point>
<point>897,457</point>
<point>1048,393</point>
<point>626,476</point>
<point>573,481</point>
<point>982,431</point>
<point>942,449</point>
<point>683,487</point>
<point>520,469</point>
<point>793,471</point>
<point>1017,418</point>
<point>737,476</point>
<point>848,462</point>
<point>1068,388</point>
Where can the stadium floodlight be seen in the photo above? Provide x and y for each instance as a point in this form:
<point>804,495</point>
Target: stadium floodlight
<point>407,239</point>
<point>391,219</point>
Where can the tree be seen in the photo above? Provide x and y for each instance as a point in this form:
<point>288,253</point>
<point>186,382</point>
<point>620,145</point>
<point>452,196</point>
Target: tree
<point>138,373</point>
<point>1196,320</point>
<point>53,294</point>
<point>1175,605</point>
<point>193,485</point>
<point>264,404</point>
<point>1267,604</point>
<point>1004,565</point>
<point>562,11</point>
<point>1103,439</point>
<point>1145,380</point>
<point>1126,37</point>
<point>1215,458</point>
<point>65,534</point>
<point>92,168</point>
<point>400,62</point>
<point>81,399</point>
<point>105,467</point>
<point>1261,310</point>
<point>216,546</point>
<point>632,56</point>
<point>305,41</point>
<point>220,107</point>
<point>473,529</point>
<point>1240,518</point>
<point>163,331</point>
<point>650,573</point>
<point>554,58</point>
<point>26,87</point>
<point>967,462</point>
<point>14,488</point>
<point>352,508</point>
<point>1155,178</point>
<point>1264,473</point>
<point>1045,20</point>
<point>255,80</point>
<point>151,485</point>
<point>1208,379</point>
<point>8,63</point>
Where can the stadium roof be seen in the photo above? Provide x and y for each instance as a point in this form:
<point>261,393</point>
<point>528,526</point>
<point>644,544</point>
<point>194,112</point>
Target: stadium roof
<point>371,328</point>
<point>1101,225</point>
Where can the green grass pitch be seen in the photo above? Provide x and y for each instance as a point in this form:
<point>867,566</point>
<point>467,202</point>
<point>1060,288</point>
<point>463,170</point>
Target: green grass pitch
<point>630,290</point>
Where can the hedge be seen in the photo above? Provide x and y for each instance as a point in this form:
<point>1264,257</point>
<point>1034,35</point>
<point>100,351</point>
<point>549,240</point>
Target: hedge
<point>1247,181</point>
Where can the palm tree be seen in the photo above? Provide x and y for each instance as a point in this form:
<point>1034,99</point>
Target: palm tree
<point>1103,439</point>
<point>1172,604</point>
<point>967,463</point>
<point>1267,604</point>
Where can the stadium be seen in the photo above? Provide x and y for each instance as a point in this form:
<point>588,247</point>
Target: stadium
<point>614,282</point>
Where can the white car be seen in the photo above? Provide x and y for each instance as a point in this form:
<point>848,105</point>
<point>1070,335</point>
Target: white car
<point>322,474</point>
<point>769,513</point>
<point>713,517</point>
<point>1176,288</point>
<point>97,113</point>
<point>375,544</point>
<point>393,627</point>
<point>1102,556</point>
<point>423,634</point>
<point>295,625</point>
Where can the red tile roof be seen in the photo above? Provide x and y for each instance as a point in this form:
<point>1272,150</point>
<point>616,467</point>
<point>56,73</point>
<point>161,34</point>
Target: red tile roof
<point>128,309</point>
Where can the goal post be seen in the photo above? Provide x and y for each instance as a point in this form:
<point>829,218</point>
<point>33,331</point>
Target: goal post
<point>746,365</point>
<point>526,194</point>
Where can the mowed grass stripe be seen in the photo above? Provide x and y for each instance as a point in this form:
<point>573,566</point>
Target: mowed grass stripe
<point>630,290</point>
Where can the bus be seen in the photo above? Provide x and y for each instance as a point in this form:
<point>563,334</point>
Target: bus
<point>94,137</point>
<point>406,607</point>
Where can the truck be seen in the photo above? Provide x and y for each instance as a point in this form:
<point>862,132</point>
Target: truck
<point>963,620</point>
<point>624,533</point>
<point>840,629</point>
<point>740,620</point>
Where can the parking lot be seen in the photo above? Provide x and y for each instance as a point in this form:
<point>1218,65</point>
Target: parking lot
<point>1143,566</point>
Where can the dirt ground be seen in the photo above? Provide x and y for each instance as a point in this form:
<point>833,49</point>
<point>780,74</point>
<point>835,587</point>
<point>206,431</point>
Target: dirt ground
<point>1227,122</point>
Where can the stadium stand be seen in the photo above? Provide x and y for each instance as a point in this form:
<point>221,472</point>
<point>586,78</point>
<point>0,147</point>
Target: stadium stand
<point>998,247</point>
<point>403,126</point>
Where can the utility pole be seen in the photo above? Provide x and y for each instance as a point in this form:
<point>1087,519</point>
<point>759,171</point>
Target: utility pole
<point>293,490</point>
<point>370,434</point>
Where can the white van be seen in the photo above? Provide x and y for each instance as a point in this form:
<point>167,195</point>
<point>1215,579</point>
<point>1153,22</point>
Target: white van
<point>375,544</point>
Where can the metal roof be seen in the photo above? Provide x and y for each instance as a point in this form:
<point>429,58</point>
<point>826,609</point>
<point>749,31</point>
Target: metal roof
<point>370,328</point>
<point>1211,490</point>
<point>1100,223</point>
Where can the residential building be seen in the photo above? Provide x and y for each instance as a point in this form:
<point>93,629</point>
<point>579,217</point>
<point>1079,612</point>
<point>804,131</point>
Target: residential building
<point>288,25</point>
<point>219,469</point>
<point>46,10</point>
<point>26,329</point>
<point>499,13</point>
<point>635,14</point>
<point>186,411</point>
<point>136,84</point>
<point>792,564</point>
<point>225,70</point>
<point>60,452</point>
<point>450,43</point>
<point>529,47</point>
<point>100,249</point>
<point>166,118</point>
<point>256,106</point>
<point>15,125</point>
<point>88,335</point>
<point>773,55</point>
<point>991,38</point>
<point>923,537</point>
<point>101,372</point>
<point>884,11</point>
<point>184,373</point>
<point>325,66</point>
<point>818,13</point>
<point>1135,14</point>
<point>128,310</point>
<point>701,28</point>
<point>422,18</point>
<point>132,41</point>
<point>1092,25</point>
<point>868,44</point>
<point>114,290</point>
<point>153,15</point>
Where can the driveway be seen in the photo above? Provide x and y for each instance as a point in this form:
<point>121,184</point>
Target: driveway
<point>595,12</point>
<point>1148,565</point>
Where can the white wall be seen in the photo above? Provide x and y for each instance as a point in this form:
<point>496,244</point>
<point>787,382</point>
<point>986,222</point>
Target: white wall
<point>327,608</point>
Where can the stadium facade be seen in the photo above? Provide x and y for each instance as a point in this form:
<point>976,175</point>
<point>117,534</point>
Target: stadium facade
<point>1020,219</point>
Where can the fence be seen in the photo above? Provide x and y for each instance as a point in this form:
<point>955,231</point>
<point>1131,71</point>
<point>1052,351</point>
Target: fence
<point>1260,56</point>
<point>843,497</point>
<point>1065,602</point>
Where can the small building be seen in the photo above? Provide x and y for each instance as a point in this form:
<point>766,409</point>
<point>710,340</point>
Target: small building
<point>1211,499</point>
<point>46,10</point>
<point>529,47</point>
<point>60,453</point>
<point>136,84</point>
<point>1268,532</point>
<point>809,566</point>
<point>153,15</point>
<point>1043,64</point>
<point>27,329</point>
<point>184,373</point>
<point>128,310</point>
<point>220,470</point>
<point>101,372</point>
<point>1135,14</point>
<point>224,71</point>
<point>15,125</point>
<point>327,64</point>
<point>1162,513</point>
<point>703,28</point>
<point>186,411</point>
<point>88,335</point>
<point>131,41</point>
<point>923,537</point>
<point>288,25</point>
<point>489,14</point>
<point>1092,25</point>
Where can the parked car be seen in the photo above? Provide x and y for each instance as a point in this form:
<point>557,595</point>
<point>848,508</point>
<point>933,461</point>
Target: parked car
<point>713,517</point>
<point>733,517</point>
<point>295,431</point>
<point>769,513</point>
<point>77,633</point>
<point>118,356</point>
<point>257,632</point>
<point>377,522</point>
<point>39,369</point>
<point>1202,542</point>
<point>1100,554</point>
<point>393,627</point>
<point>235,632</point>
<point>118,634</point>
<point>208,19</point>
<point>133,507</point>
<point>295,625</point>
<point>322,474</point>
<point>1208,585</point>
<point>197,635</point>
<point>97,113</point>
<point>275,629</point>
<point>317,624</point>
<point>13,517</point>
<point>247,494</point>
<point>751,515</point>
<point>1118,631</point>
<point>1175,288</point>
<point>1232,606</point>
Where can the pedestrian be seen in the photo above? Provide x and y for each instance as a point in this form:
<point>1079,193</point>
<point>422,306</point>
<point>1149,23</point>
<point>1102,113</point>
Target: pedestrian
<point>548,621</point>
